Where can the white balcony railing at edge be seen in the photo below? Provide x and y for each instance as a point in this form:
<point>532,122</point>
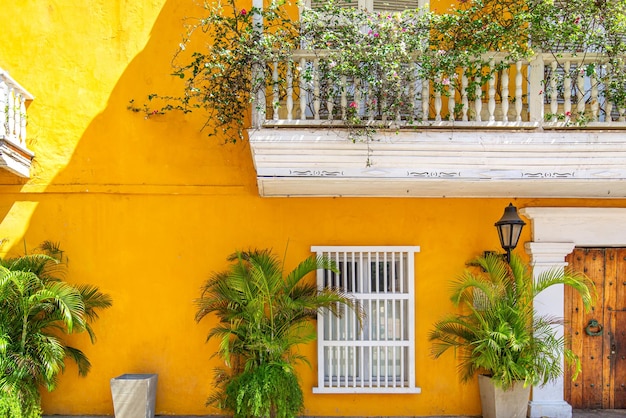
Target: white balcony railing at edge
<point>13,98</point>
<point>526,94</point>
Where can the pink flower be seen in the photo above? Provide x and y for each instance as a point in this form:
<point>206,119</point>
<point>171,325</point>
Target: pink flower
<point>577,20</point>
<point>354,105</point>
<point>568,113</point>
<point>445,81</point>
<point>154,112</point>
<point>243,12</point>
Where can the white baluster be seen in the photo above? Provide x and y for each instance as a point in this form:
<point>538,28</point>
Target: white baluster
<point>608,104</point>
<point>358,95</point>
<point>275,96</point>
<point>518,91</point>
<point>344,97</point>
<point>595,104</point>
<point>425,99</point>
<point>316,89</point>
<point>491,104</point>
<point>451,101</point>
<point>567,92</point>
<point>504,83</point>
<point>554,94</point>
<point>622,114</point>
<point>464,100</point>
<point>412,96</point>
<point>580,88</point>
<point>11,113</point>
<point>383,108</point>
<point>399,101</point>
<point>290,90</point>
<point>608,108</point>
<point>4,102</point>
<point>373,105</point>
<point>23,120</point>
<point>303,89</point>
<point>437,105</point>
<point>478,102</point>
<point>330,104</point>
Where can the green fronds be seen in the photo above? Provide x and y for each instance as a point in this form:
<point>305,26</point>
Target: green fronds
<point>263,316</point>
<point>499,332</point>
<point>36,309</point>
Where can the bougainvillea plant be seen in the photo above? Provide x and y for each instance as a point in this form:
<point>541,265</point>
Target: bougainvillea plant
<point>229,59</point>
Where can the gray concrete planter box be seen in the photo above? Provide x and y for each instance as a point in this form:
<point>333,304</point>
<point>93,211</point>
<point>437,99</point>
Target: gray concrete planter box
<point>134,395</point>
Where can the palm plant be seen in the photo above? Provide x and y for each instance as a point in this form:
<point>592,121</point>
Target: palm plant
<point>36,309</point>
<point>262,317</point>
<point>500,334</point>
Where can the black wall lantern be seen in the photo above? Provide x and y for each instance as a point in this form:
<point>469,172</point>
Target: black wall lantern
<point>509,229</point>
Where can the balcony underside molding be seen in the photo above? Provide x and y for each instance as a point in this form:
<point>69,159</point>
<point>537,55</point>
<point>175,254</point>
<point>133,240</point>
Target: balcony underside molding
<point>440,163</point>
<point>15,158</point>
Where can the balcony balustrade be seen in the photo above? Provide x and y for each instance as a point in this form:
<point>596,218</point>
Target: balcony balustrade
<point>545,92</point>
<point>14,154</point>
<point>543,127</point>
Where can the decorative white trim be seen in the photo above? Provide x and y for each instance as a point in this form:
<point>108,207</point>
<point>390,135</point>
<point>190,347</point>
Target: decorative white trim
<point>433,163</point>
<point>15,158</point>
<point>556,232</point>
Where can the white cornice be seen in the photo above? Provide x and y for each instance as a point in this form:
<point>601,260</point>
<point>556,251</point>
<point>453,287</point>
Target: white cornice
<point>435,163</point>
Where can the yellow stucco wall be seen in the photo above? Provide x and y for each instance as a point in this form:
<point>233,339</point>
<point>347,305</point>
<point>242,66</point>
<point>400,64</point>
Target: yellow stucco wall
<point>146,209</point>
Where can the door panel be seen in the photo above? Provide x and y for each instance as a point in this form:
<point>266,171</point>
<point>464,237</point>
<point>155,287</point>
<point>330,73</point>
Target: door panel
<point>598,337</point>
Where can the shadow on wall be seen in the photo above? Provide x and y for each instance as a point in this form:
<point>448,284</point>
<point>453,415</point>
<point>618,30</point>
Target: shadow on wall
<point>138,205</point>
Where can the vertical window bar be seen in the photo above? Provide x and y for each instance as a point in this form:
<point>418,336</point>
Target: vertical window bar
<point>377,273</point>
<point>362,365</point>
<point>344,366</point>
<point>353,279</point>
<point>370,367</point>
<point>364,288</point>
<point>402,378</point>
<point>394,367</point>
<point>402,274</point>
<point>331,360</point>
<point>384,272</point>
<point>395,322</point>
<point>393,272</point>
<point>378,362</point>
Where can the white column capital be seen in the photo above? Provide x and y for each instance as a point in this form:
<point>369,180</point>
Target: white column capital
<point>549,254</point>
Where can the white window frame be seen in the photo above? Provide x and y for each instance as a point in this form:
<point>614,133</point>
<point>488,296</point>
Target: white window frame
<point>372,343</point>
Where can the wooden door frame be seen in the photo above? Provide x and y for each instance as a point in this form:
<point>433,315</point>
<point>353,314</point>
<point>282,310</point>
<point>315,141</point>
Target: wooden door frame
<point>555,233</point>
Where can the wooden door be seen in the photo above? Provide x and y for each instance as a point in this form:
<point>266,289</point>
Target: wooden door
<point>598,337</point>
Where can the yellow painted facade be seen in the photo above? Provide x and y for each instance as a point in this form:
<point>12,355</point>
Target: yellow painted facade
<point>146,209</point>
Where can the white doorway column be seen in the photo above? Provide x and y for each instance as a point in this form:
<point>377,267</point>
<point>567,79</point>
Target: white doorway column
<point>547,401</point>
<point>555,233</point>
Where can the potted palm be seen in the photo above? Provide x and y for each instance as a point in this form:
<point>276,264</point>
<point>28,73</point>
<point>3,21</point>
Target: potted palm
<point>498,334</point>
<point>263,315</point>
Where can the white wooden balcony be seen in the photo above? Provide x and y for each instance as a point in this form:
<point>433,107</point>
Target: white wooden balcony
<point>522,134</point>
<point>14,154</point>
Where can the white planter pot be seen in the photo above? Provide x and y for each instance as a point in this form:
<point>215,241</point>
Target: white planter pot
<point>498,403</point>
<point>134,395</point>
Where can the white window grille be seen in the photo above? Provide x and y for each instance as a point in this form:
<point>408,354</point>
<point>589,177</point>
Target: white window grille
<point>378,357</point>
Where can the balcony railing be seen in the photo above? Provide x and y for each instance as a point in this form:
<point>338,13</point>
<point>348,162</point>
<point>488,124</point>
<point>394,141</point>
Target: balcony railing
<point>14,154</point>
<point>546,91</point>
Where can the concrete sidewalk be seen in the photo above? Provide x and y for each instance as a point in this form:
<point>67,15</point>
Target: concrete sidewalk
<point>578,413</point>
